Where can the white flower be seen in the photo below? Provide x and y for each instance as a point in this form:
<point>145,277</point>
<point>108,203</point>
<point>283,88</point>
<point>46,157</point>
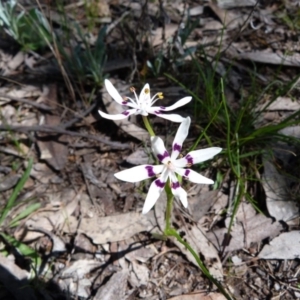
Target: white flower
<point>142,105</point>
<point>170,167</point>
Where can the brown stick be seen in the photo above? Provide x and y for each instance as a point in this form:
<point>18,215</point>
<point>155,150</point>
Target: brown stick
<point>29,102</point>
<point>59,130</point>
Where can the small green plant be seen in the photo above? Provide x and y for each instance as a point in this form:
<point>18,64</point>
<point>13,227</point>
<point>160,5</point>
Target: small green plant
<point>30,28</point>
<point>85,62</point>
<point>236,128</point>
<point>22,248</point>
<point>11,203</point>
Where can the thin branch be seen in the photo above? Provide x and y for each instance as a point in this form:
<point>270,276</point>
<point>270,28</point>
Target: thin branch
<point>29,102</point>
<point>60,130</point>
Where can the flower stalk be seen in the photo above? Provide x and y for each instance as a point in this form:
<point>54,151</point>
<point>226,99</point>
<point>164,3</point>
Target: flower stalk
<point>148,126</point>
<point>172,167</point>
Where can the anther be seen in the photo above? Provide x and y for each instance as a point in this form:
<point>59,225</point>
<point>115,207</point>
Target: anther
<point>132,89</point>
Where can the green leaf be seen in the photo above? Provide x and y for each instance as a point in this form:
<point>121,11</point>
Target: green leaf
<point>16,191</point>
<point>28,210</point>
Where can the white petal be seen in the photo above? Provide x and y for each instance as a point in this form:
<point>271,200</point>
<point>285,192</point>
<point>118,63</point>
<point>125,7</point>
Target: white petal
<point>178,191</point>
<point>139,173</point>
<point>179,103</point>
<point>180,136</point>
<point>171,117</point>
<point>113,92</point>
<point>193,176</point>
<point>197,156</point>
<point>145,95</point>
<point>125,114</point>
<point>154,192</point>
<point>158,148</point>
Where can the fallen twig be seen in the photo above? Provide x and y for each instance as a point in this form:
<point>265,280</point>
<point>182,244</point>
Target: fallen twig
<point>29,102</point>
<point>59,130</point>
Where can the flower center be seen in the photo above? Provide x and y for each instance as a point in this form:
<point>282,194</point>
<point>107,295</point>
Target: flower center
<point>170,166</point>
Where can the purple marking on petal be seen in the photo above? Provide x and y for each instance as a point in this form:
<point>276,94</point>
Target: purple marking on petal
<point>175,185</point>
<point>187,172</point>
<point>125,113</point>
<point>162,107</point>
<point>161,157</point>
<point>150,171</point>
<point>124,102</point>
<point>177,147</point>
<point>159,183</point>
<point>189,159</point>
<point>157,112</point>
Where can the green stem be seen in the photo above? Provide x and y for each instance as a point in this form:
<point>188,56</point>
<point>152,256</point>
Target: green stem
<point>169,206</point>
<point>148,126</point>
<point>172,232</point>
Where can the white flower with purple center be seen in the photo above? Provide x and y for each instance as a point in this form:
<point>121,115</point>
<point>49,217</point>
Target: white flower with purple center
<point>170,167</point>
<point>142,105</point>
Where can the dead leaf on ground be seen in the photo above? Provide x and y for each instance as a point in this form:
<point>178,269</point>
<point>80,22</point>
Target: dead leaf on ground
<point>115,287</point>
<point>258,228</point>
<point>271,58</point>
<point>55,215</point>
<point>53,148</point>
<point>285,246</point>
<point>277,198</point>
<point>113,228</point>
<point>200,296</point>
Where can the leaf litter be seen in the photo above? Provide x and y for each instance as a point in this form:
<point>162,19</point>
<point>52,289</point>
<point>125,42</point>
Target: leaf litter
<point>93,220</point>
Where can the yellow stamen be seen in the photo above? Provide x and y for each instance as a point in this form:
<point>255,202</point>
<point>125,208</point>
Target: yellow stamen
<point>147,91</point>
<point>160,96</point>
<point>132,89</point>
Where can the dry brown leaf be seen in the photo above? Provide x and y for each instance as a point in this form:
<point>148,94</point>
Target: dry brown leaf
<point>55,215</point>
<point>201,203</point>
<point>255,229</point>
<point>170,30</point>
<point>53,149</point>
<point>114,228</point>
<point>235,3</point>
<point>114,288</point>
<point>140,157</point>
<point>271,58</point>
<point>16,61</point>
<point>140,252</point>
<point>141,272</point>
<point>230,19</point>
<point>200,296</point>
<point>277,197</point>
<point>27,91</point>
<point>285,246</point>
